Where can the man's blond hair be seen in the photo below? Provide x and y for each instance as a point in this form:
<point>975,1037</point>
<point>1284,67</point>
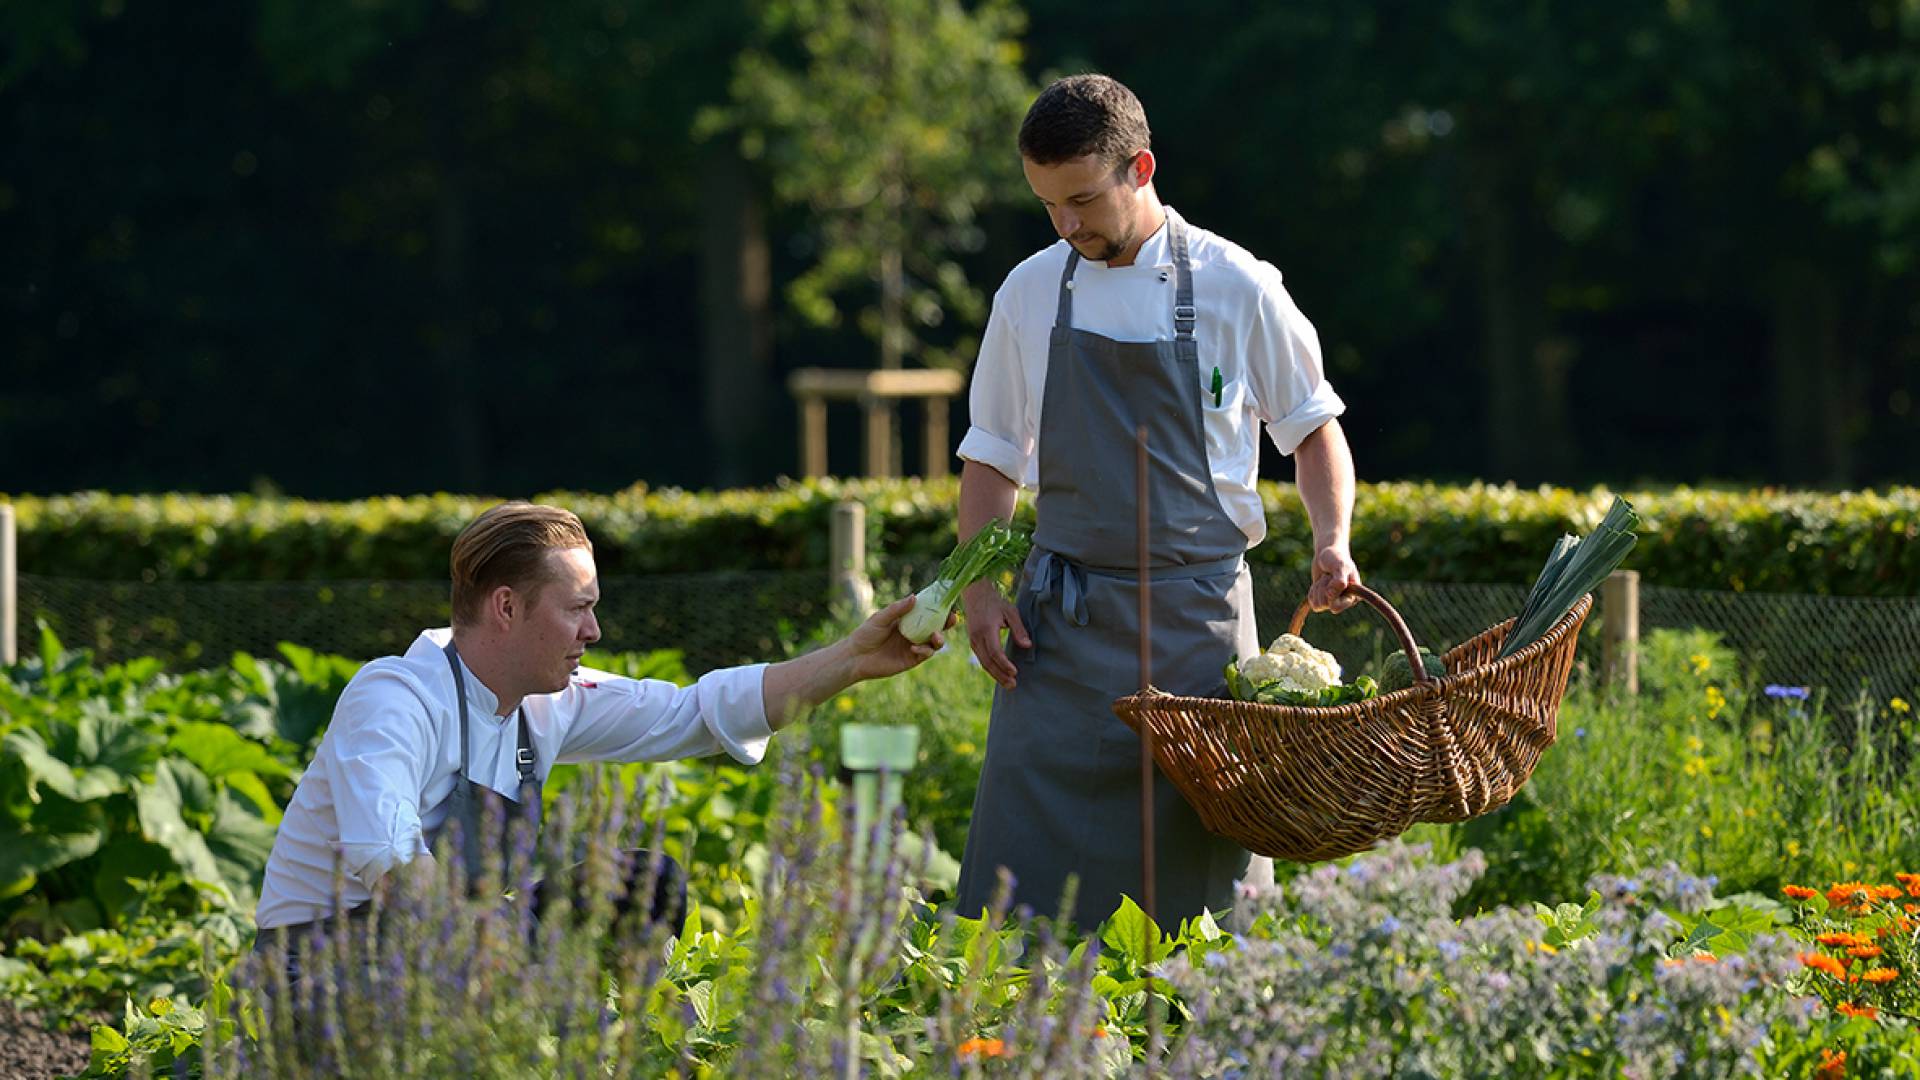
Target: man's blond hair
<point>508,545</point>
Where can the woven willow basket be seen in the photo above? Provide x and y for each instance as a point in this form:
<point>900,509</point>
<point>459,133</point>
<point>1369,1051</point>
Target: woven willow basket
<point>1313,783</point>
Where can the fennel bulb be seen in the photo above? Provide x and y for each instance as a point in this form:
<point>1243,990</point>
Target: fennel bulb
<point>996,548</point>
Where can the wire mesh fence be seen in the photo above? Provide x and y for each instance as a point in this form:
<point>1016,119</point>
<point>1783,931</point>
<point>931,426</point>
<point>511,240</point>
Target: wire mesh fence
<point>715,619</point>
<point>1847,650</point>
<point>1843,645</point>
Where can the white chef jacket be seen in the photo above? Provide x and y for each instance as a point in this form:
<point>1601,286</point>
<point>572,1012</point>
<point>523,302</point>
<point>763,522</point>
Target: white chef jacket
<point>385,770</point>
<point>1246,324</point>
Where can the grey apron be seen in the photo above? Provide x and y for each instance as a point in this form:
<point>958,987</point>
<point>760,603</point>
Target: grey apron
<point>464,805</point>
<point>1059,790</point>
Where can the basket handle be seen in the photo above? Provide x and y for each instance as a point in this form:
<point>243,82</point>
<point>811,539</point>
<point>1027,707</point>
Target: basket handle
<point>1379,604</point>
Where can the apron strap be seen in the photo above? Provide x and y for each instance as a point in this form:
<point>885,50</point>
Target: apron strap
<point>464,801</point>
<point>1063,311</point>
<point>529,782</point>
<point>460,695</point>
<point>1184,313</point>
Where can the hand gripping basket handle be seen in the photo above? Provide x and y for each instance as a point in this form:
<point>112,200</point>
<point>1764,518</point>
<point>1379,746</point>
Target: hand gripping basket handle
<point>1387,612</point>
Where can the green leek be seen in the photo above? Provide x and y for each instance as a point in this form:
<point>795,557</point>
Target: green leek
<point>1576,567</point>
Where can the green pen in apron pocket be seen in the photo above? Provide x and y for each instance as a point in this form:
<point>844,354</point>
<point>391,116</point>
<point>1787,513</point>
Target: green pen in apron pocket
<point>1217,386</point>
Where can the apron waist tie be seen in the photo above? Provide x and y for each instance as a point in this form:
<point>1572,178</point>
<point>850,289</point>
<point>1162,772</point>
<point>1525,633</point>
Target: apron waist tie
<point>1054,573</point>
<point>1055,570</point>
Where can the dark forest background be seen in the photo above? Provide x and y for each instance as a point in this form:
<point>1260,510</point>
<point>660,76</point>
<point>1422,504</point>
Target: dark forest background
<point>392,246</point>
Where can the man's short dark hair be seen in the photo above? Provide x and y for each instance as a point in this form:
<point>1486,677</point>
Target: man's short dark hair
<point>1081,115</point>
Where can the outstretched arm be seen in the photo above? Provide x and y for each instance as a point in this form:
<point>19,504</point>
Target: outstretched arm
<point>875,650</point>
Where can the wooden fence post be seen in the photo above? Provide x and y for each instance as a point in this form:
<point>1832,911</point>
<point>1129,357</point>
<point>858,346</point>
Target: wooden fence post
<point>847,563</point>
<point>813,436</point>
<point>9,590</point>
<point>936,453</point>
<point>1620,630</point>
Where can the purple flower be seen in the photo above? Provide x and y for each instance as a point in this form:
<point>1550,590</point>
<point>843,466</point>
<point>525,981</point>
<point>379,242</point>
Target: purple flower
<point>1798,693</point>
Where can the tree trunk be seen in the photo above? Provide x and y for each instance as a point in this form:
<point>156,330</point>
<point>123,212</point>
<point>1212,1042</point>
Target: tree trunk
<point>453,333</point>
<point>736,288</point>
<point>1817,380</point>
<point>893,308</point>
<point>1528,432</point>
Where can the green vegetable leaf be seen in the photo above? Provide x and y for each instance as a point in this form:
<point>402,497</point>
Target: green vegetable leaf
<point>219,750</point>
<point>106,1040</point>
<point>1134,936</point>
<point>60,833</point>
<point>94,756</point>
<point>213,838</point>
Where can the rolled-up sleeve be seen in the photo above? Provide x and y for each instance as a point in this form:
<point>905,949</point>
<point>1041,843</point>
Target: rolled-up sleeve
<point>1291,393</point>
<point>376,757</point>
<point>1002,431</point>
<point>614,718</point>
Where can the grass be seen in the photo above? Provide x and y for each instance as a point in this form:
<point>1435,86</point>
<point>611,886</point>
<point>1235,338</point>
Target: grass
<point>1710,771</point>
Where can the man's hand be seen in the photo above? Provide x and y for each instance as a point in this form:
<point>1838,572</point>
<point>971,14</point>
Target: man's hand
<point>876,649</point>
<point>989,613</point>
<point>1333,572</point>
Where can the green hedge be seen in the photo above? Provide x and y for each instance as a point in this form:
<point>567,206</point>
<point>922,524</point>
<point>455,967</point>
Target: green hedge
<point>1762,541</point>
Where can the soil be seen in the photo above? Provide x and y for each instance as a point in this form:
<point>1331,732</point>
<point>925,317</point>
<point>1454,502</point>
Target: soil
<point>28,1051</point>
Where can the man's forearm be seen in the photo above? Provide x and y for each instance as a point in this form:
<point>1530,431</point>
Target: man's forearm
<point>1323,471</point>
<point>794,686</point>
<point>985,494</point>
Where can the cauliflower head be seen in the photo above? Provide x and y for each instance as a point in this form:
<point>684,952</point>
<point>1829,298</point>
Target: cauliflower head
<point>1296,664</point>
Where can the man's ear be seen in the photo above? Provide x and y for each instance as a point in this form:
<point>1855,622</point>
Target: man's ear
<point>503,606</point>
<point>1141,169</point>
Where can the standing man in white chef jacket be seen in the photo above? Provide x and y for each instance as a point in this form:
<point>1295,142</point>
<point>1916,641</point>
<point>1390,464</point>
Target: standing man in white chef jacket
<point>1135,317</point>
<point>498,699</point>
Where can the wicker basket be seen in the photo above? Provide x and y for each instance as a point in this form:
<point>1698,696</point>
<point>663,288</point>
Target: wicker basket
<point>1312,783</point>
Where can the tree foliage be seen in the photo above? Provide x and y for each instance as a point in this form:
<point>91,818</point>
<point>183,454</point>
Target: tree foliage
<point>892,122</point>
<point>407,245</point>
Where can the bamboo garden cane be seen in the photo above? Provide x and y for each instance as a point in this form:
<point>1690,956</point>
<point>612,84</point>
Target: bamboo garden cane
<point>1146,742</point>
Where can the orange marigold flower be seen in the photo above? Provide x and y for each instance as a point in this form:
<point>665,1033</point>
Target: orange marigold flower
<point>1885,892</point>
<point>1799,892</point>
<point>1849,892</point>
<point>1848,1008</point>
<point>1833,1064</point>
<point>1840,938</point>
<point>1864,952</point>
<point>1823,962</point>
<point>1911,909</point>
<point>974,1049</point>
<point>1881,975</point>
<point>1911,881</point>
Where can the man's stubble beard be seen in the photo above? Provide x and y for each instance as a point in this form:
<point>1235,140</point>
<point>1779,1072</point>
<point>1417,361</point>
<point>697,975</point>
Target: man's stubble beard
<point>1114,248</point>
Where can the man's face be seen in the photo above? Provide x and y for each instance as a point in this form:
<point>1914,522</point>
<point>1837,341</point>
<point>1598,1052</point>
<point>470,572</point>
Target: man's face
<point>560,624</point>
<point>1093,206</point>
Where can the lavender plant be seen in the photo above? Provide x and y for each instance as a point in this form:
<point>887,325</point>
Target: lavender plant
<point>836,968</point>
<point>1360,970</point>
